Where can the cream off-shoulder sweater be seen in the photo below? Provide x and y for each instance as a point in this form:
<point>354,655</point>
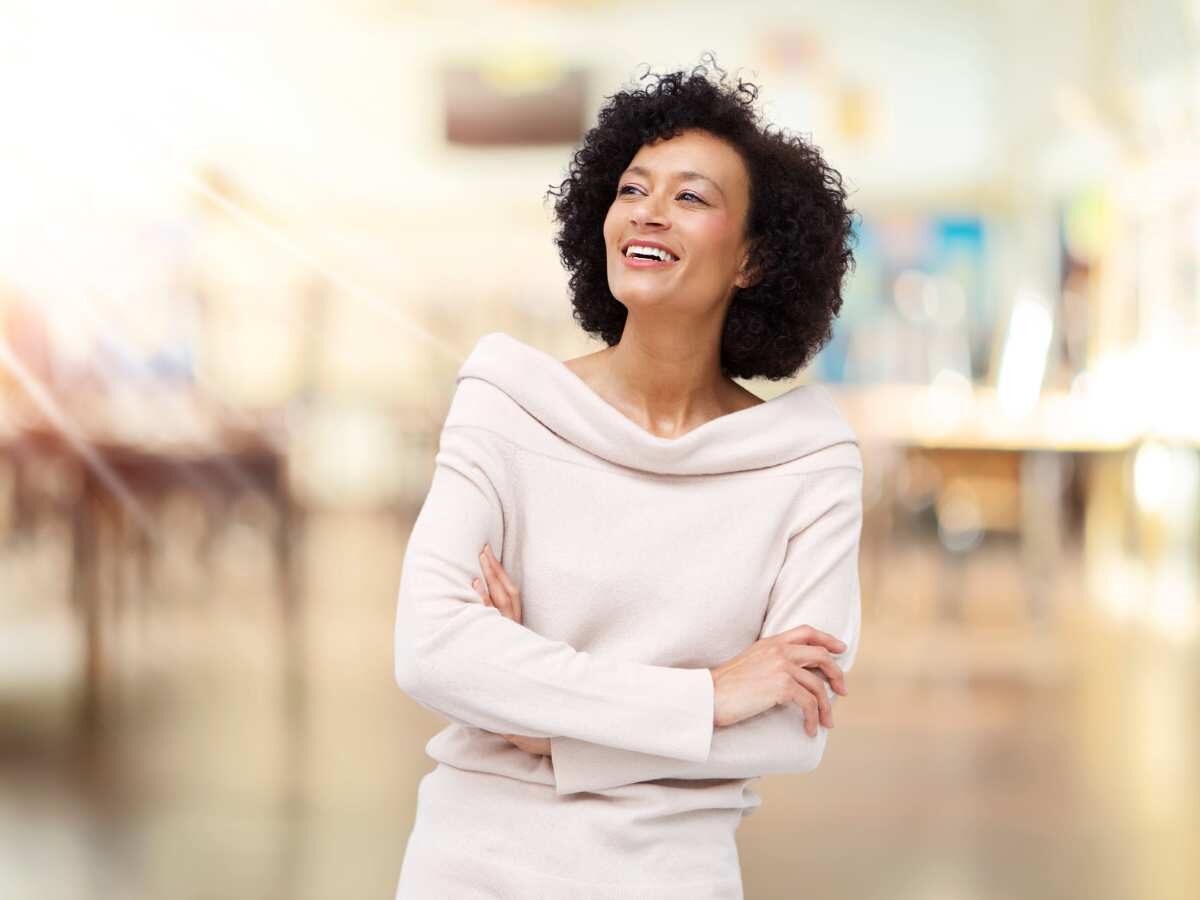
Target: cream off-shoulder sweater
<point>642,562</point>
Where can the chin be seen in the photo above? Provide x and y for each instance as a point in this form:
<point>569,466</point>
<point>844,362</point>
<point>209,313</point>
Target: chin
<point>641,298</point>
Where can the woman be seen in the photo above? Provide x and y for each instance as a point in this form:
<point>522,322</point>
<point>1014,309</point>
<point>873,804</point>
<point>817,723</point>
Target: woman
<point>633,585</point>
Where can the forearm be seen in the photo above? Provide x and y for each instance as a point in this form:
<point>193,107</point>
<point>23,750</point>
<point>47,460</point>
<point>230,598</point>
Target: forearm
<point>772,742</point>
<point>817,585</point>
<point>455,655</point>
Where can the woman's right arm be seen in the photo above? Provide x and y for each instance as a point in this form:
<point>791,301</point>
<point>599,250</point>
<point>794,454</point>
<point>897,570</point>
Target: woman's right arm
<point>459,657</point>
<point>817,586</point>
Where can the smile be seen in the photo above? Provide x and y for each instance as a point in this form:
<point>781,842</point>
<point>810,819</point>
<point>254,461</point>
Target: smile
<point>647,254</point>
<point>635,262</point>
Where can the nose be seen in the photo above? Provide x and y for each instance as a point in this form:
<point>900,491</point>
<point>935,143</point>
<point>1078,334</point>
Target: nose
<point>646,212</point>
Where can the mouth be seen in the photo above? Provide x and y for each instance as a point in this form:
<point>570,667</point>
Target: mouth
<point>647,256</point>
<point>634,263</point>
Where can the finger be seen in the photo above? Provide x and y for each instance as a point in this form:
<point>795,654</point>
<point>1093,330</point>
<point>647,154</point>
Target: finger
<point>806,634</point>
<point>515,605</point>
<point>818,658</point>
<point>508,582</point>
<point>478,585</point>
<point>804,701</point>
<point>510,587</point>
<point>515,597</point>
<point>495,588</point>
<point>816,686</point>
<point>486,568</point>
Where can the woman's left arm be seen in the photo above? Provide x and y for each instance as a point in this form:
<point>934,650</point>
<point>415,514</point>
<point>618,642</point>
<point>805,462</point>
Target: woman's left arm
<point>817,585</point>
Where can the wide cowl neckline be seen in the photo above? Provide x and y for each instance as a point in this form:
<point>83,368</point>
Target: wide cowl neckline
<point>800,421</point>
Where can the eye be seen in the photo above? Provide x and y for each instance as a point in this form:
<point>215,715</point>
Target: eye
<point>695,197</point>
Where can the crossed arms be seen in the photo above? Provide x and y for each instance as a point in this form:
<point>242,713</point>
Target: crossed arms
<point>610,721</point>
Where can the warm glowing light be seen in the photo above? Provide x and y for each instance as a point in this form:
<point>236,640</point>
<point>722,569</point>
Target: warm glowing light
<point>1023,363</point>
<point>1164,478</point>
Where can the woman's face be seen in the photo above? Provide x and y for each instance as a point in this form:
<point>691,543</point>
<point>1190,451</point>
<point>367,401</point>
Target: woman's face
<point>691,195</point>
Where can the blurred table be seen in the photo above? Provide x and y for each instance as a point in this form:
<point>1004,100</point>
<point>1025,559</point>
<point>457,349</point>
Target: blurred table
<point>109,474</point>
<point>1015,466</point>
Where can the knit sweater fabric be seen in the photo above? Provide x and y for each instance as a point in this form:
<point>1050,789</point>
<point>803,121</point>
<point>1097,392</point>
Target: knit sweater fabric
<point>642,562</point>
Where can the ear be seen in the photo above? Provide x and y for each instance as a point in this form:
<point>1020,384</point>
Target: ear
<point>747,277</point>
<point>746,281</point>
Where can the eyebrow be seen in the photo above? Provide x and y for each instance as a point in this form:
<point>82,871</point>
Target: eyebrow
<point>686,174</point>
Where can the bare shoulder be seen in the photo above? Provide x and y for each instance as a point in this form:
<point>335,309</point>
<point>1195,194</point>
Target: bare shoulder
<point>585,366</point>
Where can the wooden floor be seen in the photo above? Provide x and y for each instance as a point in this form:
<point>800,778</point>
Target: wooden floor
<point>978,757</point>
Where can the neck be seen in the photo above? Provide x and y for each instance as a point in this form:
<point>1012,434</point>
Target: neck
<point>668,373</point>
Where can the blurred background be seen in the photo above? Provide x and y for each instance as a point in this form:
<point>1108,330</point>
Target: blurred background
<point>244,248</point>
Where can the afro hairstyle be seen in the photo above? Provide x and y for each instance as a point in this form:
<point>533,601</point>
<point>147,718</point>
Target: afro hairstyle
<point>798,222</point>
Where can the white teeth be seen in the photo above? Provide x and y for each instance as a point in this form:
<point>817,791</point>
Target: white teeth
<point>661,254</point>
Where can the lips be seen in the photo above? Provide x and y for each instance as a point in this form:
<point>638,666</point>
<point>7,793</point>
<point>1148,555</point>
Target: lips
<point>645,242</point>
<point>635,262</point>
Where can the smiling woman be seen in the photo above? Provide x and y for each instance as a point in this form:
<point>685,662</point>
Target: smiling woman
<point>756,216</point>
<point>615,661</point>
<point>702,238</point>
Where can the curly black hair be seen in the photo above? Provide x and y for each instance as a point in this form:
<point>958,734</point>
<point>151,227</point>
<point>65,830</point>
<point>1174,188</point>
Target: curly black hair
<point>800,227</point>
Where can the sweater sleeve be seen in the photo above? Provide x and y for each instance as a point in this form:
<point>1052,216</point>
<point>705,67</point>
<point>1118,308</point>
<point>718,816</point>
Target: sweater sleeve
<point>464,659</point>
<point>818,585</point>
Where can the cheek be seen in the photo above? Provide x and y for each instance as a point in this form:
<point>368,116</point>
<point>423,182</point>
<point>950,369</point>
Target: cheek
<point>712,241</point>
<point>611,226</point>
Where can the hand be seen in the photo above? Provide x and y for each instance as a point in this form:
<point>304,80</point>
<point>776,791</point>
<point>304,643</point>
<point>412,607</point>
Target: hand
<point>540,746</point>
<point>775,670</point>
<point>500,591</point>
<point>504,595</point>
